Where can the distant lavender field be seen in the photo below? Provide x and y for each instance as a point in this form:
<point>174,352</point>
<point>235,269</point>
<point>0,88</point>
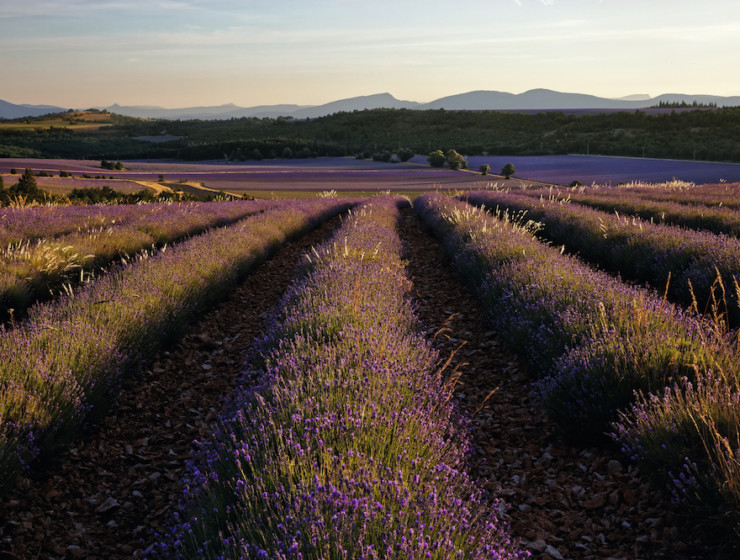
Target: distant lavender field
<point>341,174</point>
<point>349,174</point>
<point>609,170</point>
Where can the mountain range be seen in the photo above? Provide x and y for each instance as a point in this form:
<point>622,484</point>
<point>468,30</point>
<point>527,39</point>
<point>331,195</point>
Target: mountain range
<point>532,100</point>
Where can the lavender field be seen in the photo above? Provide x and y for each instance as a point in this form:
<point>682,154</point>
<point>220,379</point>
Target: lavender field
<point>265,177</point>
<point>349,174</point>
<point>342,436</point>
<point>604,170</point>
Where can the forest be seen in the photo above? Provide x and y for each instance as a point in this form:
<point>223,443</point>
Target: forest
<point>701,134</point>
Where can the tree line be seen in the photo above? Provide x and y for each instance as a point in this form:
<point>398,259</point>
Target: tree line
<point>702,134</point>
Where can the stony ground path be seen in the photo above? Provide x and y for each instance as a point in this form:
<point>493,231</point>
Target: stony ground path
<point>107,496</point>
<point>565,502</point>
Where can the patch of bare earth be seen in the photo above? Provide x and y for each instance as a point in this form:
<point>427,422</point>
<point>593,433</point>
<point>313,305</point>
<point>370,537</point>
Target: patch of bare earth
<point>564,501</point>
<point>107,496</point>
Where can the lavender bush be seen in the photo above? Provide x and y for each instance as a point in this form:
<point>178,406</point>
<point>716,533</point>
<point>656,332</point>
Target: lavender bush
<point>63,362</point>
<point>345,445</point>
<point>687,438</point>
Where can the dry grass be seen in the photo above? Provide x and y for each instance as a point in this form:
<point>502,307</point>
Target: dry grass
<point>79,120</point>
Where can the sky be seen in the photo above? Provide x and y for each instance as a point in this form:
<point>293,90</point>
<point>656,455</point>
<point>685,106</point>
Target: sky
<point>180,53</point>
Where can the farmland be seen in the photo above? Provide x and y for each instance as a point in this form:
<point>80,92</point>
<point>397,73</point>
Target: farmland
<point>283,178</point>
<point>279,178</point>
<point>333,376</point>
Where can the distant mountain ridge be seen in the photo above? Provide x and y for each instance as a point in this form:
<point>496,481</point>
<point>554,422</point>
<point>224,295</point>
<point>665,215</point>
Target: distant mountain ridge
<point>13,111</point>
<point>532,100</point>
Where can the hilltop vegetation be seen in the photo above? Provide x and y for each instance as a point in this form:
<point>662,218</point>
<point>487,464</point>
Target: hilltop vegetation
<point>702,134</point>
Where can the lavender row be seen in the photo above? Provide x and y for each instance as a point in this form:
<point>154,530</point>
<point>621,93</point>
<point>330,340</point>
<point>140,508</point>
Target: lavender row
<point>65,361</point>
<point>34,269</point>
<point>343,442</point>
<point>580,328</point>
<point>721,194</point>
<point>596,341</point>
<point>19,225</point>
<point>716,219</point>
<point>692,267</point>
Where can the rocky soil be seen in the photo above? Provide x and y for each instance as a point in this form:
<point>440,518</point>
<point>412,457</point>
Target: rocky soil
<point>109,496</point>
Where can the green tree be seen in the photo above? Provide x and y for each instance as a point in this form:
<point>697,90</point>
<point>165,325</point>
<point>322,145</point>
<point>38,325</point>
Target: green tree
<point>405,154</point>
<point>508,170</point>
<point>27,184</point>
<point>484,169</point>
<point>455,160</point>
<point>436,158</point>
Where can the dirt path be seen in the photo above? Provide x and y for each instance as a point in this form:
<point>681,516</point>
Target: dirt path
<point>565,502</point>
<point>106,497</point>
<point>158,188</point>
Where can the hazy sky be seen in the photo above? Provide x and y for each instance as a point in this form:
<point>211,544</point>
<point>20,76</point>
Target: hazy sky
<point>176,53</point>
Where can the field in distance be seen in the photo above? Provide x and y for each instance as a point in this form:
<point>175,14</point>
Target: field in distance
<point>282,178</point>
<point>272,178</point>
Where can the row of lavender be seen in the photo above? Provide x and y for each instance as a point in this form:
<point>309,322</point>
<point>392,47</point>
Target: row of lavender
<point>22,224</point>
<point>685,262</point>
<point>65,360</point>
<point>720,194</point>
<point>598,344</point>
<point>717,219</point>
<point>18,225</point>
<point>343,442</point>
<point>40,265</point>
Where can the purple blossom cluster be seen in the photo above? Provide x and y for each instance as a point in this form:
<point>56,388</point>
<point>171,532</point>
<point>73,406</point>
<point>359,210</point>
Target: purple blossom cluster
<point>600,345</point>
<point>691,266</point>
<point>688,438</point>
<point>48,247</point>
<point>343,442</point>
<point>63,362</point>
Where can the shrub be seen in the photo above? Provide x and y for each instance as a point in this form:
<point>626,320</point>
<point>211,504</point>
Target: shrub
<point>405,154</point>
<point>508,170</point>
<point>455,160</point>
<point>436,158</point>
